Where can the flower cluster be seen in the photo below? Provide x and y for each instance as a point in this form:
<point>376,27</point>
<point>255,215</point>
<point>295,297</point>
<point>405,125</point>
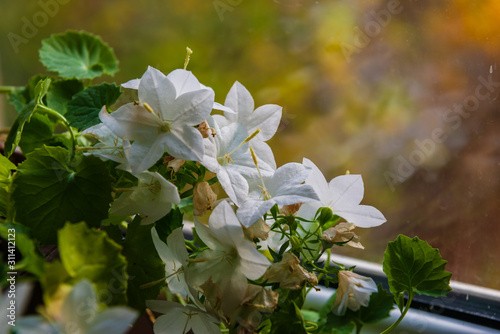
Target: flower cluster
<point>172,206</point>
<point>261,208</point>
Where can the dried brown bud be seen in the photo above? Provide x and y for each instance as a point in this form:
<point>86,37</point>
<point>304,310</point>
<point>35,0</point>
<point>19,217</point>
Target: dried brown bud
<point>288,210</point>
<point>342,232</point>
<point>173,163</point>
<point>289,273</point>
<point>258,230</point>
<point>203,198</point>
<point>204,129</point>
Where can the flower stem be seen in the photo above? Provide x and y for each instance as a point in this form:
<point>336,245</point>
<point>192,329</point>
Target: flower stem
<point>90,148</point>
<point>7,89</point>
<point>407,307</point>
<point>52,112</point>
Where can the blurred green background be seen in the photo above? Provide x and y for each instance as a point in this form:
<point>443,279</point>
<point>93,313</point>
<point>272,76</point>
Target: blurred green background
<point>369,86</point>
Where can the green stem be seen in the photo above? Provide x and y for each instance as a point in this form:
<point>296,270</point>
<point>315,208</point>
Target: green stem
<point>407,307</point>
<point>7,89</point>
<point>358,327</point>
<point>190,244</point>
<point>52,112</point>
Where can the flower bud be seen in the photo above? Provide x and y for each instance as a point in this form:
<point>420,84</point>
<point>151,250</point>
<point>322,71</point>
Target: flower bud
<point>203,198</point>
<point>353,292</point>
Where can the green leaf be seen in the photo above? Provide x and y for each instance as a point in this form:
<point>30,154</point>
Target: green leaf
<point>380,305</point>
<point>55,275</point>
<point>25,114</point>
<point>142,269</point>
<point>6,167</point>
<point>61,92</point>
<point>30,260</point>
<point>48,191</point>
<point>169,223</point>
<point>91,254</point>
<point>77,54</point>
<point>38,132</point>
<point>84,108</point>
<point>288,318</point>
<point>412,266</point>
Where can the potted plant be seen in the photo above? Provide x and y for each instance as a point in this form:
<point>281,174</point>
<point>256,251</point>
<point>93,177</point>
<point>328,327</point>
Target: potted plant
<point>169,207</point>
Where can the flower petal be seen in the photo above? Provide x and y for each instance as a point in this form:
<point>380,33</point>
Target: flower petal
<point>184,81</point>
<point>317,180</point>
<point>253,209</point>
<point>362,215</point>
<point>132,84</point>
<point>239,100</point>
<point>190,108</point>
<point>266,118</point>
<point>345,190</point>
<point>185,143</point>
<point>253,263</point>
<point>113,320</point>
<point>156,90</point>
<point>130,122</point>
<point>144,153</point>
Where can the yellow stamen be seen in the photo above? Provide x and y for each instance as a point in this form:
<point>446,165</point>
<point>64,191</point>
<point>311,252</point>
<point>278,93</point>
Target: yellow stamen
<point>254,157</point>
<point>247,139</point>
<point>264,192</point>
<point>252,136</point>
<point>148,108</point>
<point>228,159</point>
<point>189,52</point>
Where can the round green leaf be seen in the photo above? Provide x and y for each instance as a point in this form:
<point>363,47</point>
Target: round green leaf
<point>77,54</point>
<point>48,191</point>
<point>413,266</point>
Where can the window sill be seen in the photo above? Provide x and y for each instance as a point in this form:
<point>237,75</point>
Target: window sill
<point>467,309</point>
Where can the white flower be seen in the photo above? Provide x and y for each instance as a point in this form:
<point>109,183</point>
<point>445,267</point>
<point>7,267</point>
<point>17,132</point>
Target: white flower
<point>239,108</point>
<point>175,256</point>
<point>343,195</point>
<point>178,319</point>
<point>284,187</point>
<point>110,146</point>
<point>79,314</point>
<point>230,259</point>
<point>164,118</point>
<point>152,198</point>
<point>227,154</point>
<point>353,292</point>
